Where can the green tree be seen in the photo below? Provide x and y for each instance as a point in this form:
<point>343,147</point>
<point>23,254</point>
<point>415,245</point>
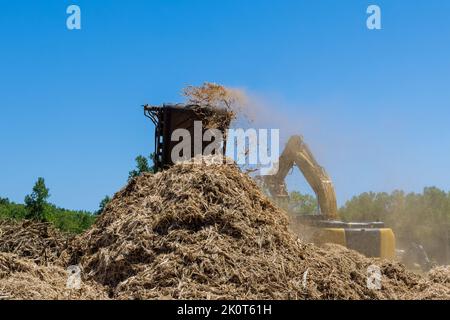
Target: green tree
<point>103,205</point>
<point>36,202</point>
<point>142,165</point>
<point>302,203</point>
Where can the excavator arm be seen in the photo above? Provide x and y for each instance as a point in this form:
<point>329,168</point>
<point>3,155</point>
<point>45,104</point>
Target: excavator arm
<point>297,153</point>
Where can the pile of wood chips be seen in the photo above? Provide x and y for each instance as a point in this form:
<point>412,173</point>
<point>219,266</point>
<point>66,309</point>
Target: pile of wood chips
<point>196,231</point>
<point>37,241</point>
<point>199,231</point>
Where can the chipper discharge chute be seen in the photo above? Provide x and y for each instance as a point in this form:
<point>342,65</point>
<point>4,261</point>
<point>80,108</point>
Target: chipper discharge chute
<point>195,119</point>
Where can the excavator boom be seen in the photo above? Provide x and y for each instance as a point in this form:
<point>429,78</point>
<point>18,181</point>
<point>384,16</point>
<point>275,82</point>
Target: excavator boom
<point>297,153</point>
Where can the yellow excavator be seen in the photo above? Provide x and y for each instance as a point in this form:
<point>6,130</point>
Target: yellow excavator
<point>372,239</point>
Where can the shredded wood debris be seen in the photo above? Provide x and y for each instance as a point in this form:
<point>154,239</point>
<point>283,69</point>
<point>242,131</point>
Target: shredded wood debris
<point>196,231</point>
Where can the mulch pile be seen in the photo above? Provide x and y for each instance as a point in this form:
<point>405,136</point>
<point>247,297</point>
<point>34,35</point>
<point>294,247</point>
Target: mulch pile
<point>39,242</point>
<point>29,256</point>
<point>22,279</point>
<point>200,231</point>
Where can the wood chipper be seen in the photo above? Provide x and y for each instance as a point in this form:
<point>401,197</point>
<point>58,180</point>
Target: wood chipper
<point>170,117</point>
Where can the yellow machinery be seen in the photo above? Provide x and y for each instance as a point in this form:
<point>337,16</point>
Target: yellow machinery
<point>369,238</point>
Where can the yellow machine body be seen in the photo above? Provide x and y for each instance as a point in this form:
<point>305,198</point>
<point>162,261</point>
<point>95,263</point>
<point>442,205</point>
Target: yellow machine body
<point>373,242</point>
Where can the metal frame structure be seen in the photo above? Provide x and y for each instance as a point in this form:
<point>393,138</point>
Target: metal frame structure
<point>167,118</point>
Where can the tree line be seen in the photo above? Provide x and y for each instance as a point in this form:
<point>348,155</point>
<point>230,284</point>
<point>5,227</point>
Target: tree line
<point>37,207</point>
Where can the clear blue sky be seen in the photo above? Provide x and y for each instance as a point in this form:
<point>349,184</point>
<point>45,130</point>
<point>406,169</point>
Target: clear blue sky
<point>373,105</point>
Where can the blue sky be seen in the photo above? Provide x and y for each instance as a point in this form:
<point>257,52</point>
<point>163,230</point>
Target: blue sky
<point>374,106</point>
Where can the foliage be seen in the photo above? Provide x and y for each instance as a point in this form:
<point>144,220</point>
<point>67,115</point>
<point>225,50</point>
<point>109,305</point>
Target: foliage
<point>36,202</point>
<point>63,219</point>
<point>36,207</point>
<point>142,165</point>
<point>103,205</point>
<point>68,220</point>
<point>12,211</point>
<point>302,204</point>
